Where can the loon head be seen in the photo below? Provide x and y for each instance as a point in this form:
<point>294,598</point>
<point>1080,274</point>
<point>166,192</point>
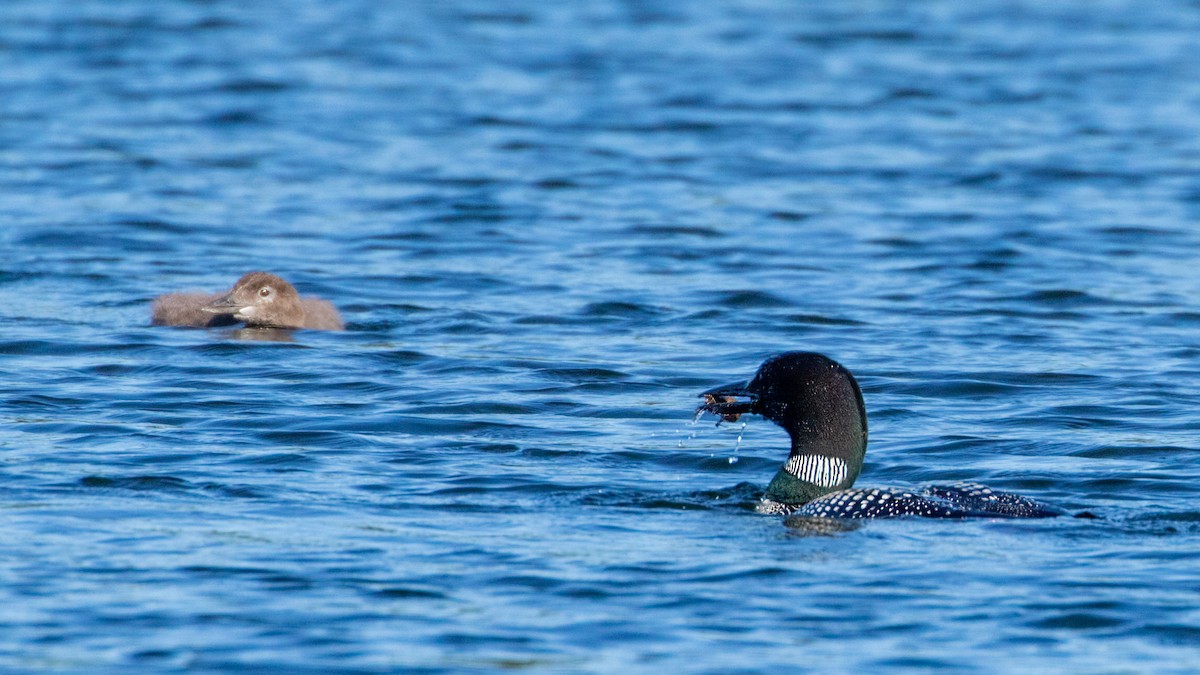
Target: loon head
<point>261,300</point>
<point>819,404</point>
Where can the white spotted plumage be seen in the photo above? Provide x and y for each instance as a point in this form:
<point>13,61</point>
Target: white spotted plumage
<point>937,501</point>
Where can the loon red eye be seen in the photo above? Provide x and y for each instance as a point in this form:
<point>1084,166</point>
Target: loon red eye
<point>265,291</point>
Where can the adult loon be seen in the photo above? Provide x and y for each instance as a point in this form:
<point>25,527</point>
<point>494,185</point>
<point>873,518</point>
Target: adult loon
<point>819,404</point>
<point>258,299</point>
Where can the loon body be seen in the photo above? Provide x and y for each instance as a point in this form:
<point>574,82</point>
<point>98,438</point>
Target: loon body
<point>258,299</point>
<point>818,402</point>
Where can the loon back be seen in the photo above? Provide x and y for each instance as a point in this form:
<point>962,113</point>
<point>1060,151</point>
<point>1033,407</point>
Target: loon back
<point>958,500</point>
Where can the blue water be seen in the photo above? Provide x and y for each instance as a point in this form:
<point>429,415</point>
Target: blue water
<point>549,226</point>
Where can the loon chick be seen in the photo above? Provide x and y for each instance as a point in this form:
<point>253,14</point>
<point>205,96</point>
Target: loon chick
<point>819,404</point>
<point>258,299</point>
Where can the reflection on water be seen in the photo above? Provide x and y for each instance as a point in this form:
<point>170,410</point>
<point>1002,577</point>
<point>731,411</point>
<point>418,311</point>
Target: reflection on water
<point>261,334</point>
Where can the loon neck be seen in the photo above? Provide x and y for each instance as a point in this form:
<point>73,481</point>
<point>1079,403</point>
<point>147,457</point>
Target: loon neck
<point>810,473</point>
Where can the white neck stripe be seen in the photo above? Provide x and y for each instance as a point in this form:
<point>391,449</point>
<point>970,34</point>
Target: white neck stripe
<point>817,469</point>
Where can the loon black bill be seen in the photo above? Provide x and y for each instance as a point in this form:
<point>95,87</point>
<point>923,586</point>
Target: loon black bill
<point>729,401</point>
<point>225,305</point>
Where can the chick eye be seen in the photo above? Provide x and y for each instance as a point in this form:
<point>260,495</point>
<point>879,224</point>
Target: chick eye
<point>264,291</point>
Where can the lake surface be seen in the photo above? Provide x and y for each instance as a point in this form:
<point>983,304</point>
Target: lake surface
<point>549,226</point>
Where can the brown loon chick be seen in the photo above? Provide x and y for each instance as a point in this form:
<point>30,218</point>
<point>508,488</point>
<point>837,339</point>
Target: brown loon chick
<point>258,299</point>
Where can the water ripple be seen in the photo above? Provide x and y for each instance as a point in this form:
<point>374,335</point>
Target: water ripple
<point>549,226</point>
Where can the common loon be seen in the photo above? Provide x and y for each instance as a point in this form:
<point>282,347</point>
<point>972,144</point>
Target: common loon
<point>819,404</point>
<point>258,299</point>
